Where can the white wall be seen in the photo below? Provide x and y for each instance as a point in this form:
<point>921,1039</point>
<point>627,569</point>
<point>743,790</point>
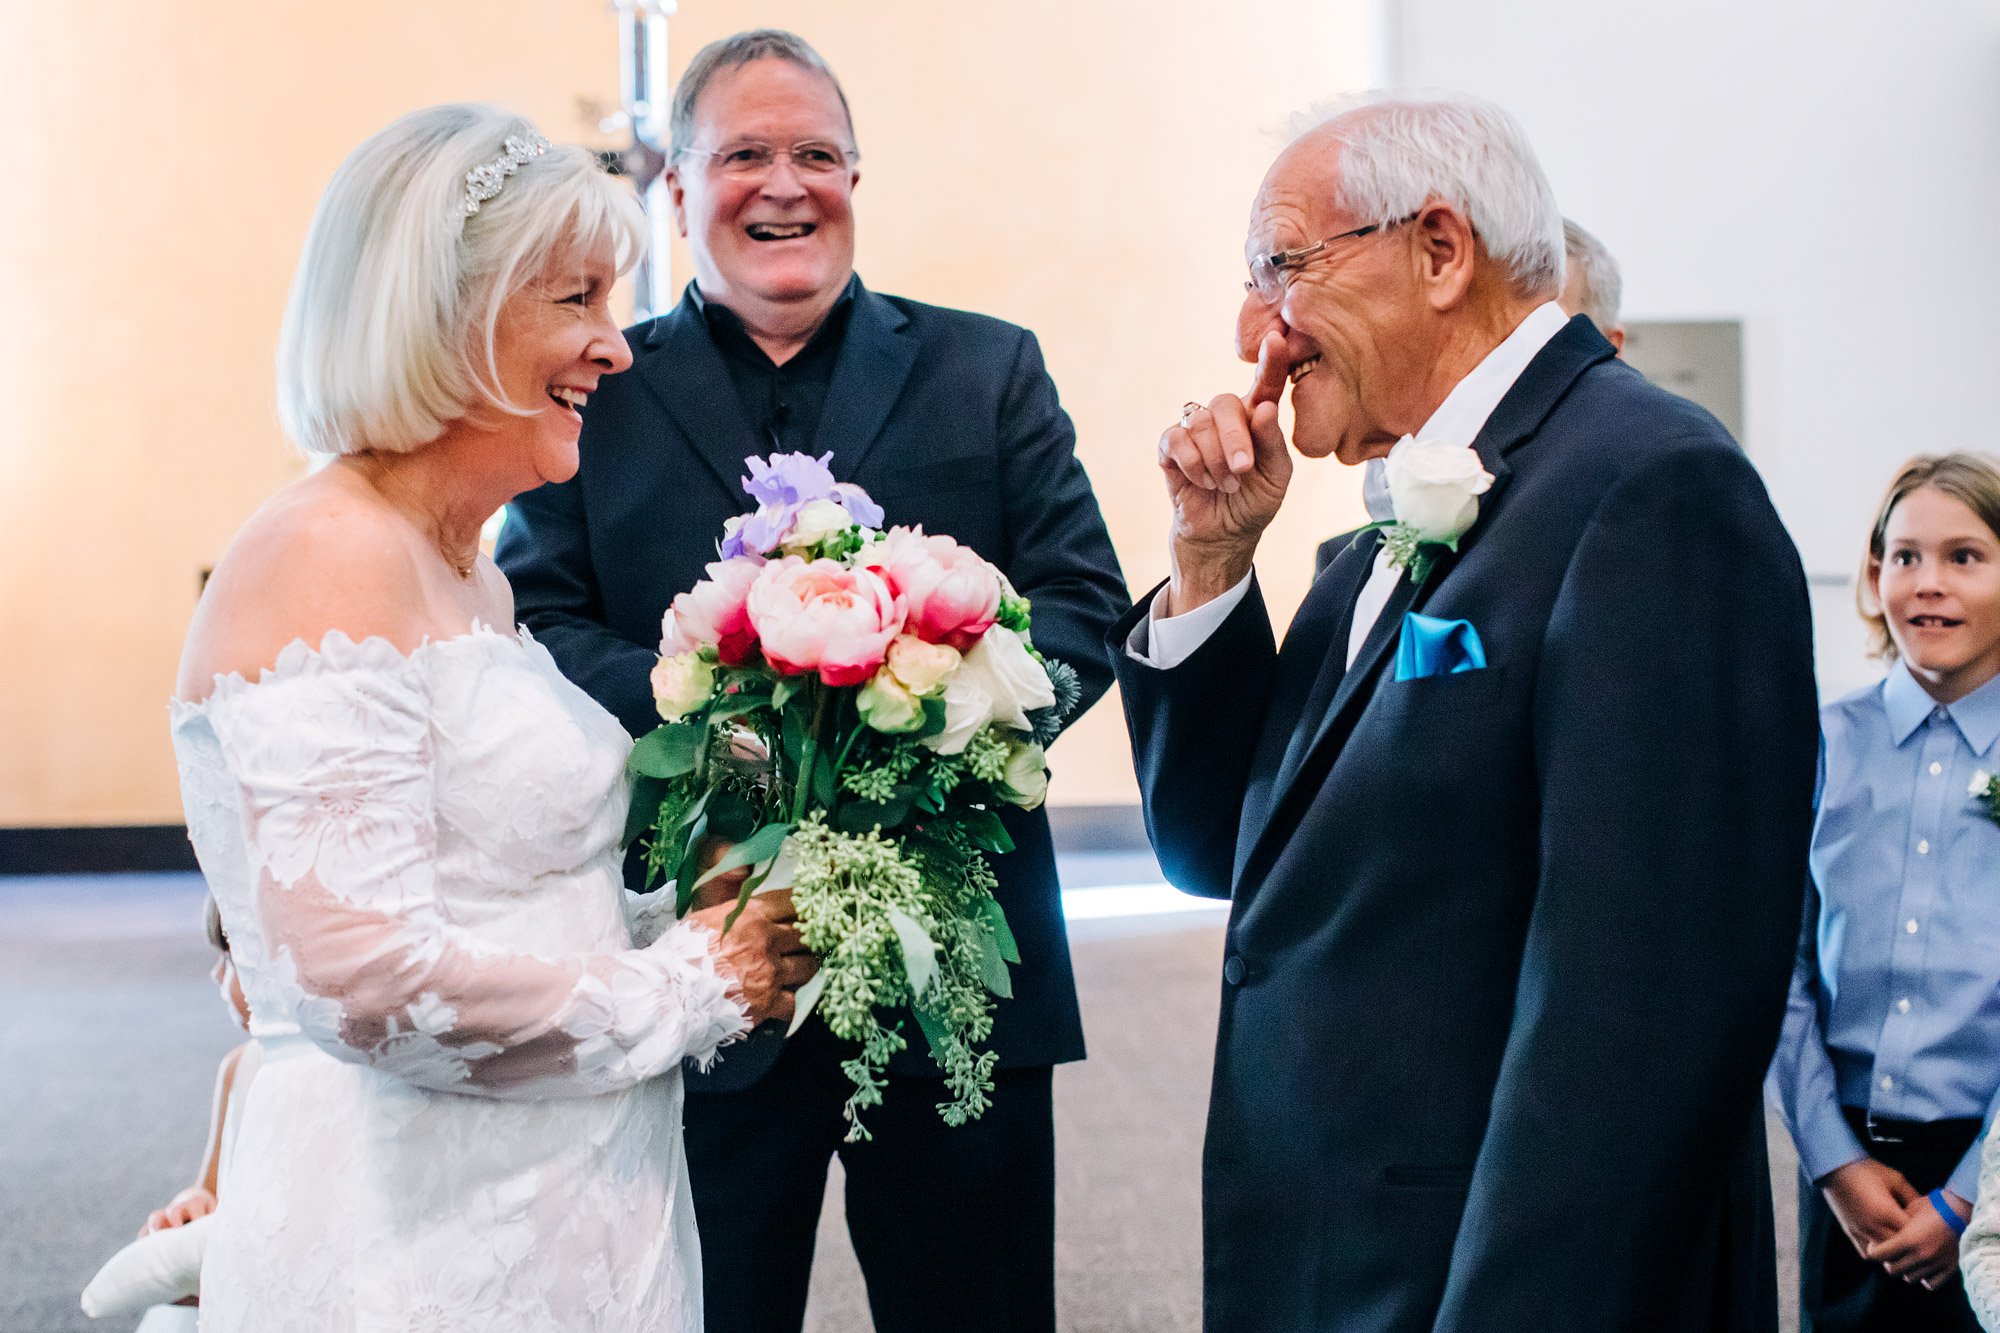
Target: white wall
<point>1829,173</point>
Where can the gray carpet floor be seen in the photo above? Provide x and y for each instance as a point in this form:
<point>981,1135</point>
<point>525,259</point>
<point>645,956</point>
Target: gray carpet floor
<point>110,1032</point>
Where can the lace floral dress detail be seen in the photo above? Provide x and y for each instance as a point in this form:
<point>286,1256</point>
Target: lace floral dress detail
<point>469,1112</point>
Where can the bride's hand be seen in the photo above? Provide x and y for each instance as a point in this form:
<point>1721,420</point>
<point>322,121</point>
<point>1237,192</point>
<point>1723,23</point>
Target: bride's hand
<point>761,953</point>
<point>184,1208</point>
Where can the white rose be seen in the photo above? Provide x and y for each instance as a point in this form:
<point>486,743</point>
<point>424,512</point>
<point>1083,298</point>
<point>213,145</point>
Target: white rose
<point>817,520</point>
<point>1026,783</point>
<point>999,681</point>
<point>1980,782</point>
<point>1435,487</point>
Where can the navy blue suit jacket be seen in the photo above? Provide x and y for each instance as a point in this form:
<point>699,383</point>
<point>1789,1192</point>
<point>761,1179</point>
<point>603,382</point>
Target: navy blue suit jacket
<point>950,421</point>
<point>1509,948</point>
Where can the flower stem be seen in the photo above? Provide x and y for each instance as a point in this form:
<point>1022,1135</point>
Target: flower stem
<point>802,789</point>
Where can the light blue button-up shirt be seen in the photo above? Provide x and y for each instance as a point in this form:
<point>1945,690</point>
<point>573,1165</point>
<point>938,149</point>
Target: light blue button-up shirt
<point>1895,1003</point>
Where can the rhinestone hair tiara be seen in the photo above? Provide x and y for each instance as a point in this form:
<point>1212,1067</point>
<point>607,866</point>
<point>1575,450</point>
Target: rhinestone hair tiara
<point>484,181</point>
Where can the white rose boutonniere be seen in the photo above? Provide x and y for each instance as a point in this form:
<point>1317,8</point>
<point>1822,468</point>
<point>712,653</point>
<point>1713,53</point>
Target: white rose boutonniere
<point>1435,488</point>
<point>1985,789</point>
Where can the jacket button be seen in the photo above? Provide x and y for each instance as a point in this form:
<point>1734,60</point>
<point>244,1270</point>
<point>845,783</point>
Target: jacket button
<point>1233,970</point>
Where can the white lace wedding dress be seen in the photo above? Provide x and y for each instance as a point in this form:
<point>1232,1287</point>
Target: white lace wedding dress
<point>469,1112</point>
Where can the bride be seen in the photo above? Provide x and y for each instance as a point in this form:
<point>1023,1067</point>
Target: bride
<point>469,1114</point>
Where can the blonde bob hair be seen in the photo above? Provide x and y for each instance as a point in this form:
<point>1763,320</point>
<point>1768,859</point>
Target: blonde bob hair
<point>389,333</point>
<point>1970,478</point>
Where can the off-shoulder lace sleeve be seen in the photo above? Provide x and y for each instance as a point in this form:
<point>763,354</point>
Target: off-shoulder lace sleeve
<point>335,770</point>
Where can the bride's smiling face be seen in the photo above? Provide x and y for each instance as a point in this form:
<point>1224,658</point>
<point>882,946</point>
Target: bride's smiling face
<point>555,340</point>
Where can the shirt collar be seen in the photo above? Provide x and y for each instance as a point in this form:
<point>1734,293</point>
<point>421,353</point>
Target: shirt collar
<point>724,323</point>
<point>1463,413</point>
<point>1907,703</point>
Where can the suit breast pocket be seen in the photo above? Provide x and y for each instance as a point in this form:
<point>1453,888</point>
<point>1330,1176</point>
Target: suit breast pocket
<point>1456,695</point>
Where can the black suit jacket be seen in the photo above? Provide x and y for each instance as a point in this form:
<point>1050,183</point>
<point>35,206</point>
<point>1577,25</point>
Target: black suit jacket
<point>950,421</point>
<point>1509,948</point>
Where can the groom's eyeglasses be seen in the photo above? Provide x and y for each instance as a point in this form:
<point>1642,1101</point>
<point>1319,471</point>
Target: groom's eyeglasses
<point>1267,272</point>
<point>755,159</point>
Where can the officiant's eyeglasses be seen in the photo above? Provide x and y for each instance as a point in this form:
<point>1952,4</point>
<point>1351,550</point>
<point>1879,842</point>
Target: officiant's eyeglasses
<point>754,159</point>
<point>1267,272</point>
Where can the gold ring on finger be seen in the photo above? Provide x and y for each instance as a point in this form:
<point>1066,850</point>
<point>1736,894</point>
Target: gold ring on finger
<point>1187,414</point>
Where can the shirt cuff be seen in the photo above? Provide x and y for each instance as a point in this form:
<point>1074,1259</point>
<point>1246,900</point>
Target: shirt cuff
<point>1165,641</point>
<point>1825,1142</point>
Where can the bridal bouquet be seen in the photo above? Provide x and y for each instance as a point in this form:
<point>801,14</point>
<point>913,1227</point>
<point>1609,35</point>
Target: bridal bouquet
<point>850,707</point>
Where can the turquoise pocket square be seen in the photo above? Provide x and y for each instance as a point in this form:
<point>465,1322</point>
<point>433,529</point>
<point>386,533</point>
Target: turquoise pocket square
<point>1433,647</point>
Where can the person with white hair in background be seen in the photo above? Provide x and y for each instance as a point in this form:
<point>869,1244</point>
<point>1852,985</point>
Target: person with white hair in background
<point>1592,285</point>
<point>468,1112</point>
<point>1515,822</point>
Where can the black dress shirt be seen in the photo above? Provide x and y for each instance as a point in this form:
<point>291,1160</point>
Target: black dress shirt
<point>783,401</point>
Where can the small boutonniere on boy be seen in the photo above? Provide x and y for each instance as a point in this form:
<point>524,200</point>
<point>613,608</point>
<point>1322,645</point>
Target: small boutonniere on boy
<point>1985,789</point>
<point>1435,488</point>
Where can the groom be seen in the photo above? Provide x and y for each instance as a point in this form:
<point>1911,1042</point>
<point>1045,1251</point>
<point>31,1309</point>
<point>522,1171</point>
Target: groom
<point>1515,833</point>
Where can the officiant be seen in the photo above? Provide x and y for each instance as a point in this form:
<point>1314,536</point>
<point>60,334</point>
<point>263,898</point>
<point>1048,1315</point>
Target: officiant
<point>951,421</point>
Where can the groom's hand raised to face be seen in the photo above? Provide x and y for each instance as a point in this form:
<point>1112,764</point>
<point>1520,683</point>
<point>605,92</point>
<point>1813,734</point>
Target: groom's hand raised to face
<point>1227,467</point>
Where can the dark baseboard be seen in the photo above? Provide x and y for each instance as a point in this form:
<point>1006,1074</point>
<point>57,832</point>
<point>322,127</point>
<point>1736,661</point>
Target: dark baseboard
<point>1098,828</point>
<point>158,847</point>
<point>95,851</point>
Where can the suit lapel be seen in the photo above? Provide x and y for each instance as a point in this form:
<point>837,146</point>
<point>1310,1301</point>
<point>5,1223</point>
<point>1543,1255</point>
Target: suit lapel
<point>684,370</point>
<point>1513,423</point>
<point>875,360</point>
<point>1309,667</point>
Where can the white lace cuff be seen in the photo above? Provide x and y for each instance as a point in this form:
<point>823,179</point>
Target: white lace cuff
<point>653,1007</point>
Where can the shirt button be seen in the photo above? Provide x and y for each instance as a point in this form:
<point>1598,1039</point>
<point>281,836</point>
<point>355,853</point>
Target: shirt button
<point>1911,925</point>
<point>1903,1005</point>
<point>1923,846</point>
<point>1887,1083</point>
<point>1936,769</point>
<point>1233,970</point>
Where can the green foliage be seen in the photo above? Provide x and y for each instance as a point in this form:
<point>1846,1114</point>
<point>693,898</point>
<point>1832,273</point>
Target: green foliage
<point>898,926</point>
<point>985,755</point>
<point>669,751</point>
<point>1013,612</point>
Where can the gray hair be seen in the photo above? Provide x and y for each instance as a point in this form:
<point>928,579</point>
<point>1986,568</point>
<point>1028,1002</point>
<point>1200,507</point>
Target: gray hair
<point>1599,288</point>
<point>1400,151</point>
<point>389,333</point>
<point>727,53</point>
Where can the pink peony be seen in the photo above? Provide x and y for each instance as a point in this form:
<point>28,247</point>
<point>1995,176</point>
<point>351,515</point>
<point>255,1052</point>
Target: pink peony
<point>949,594</point>
<point>712,614</point>
<point>822,616</point>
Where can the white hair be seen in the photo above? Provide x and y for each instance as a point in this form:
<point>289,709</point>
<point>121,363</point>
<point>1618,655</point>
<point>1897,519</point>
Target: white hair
<point>389,333</point>
<point>1402,150</point>
<point>1599,288</point>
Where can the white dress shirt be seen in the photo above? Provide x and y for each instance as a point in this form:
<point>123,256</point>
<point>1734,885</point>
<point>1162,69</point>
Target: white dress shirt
<point>1166,641</point>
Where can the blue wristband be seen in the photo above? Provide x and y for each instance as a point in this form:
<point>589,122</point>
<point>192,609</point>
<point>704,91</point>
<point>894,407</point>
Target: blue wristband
<point>1947,1212</point>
